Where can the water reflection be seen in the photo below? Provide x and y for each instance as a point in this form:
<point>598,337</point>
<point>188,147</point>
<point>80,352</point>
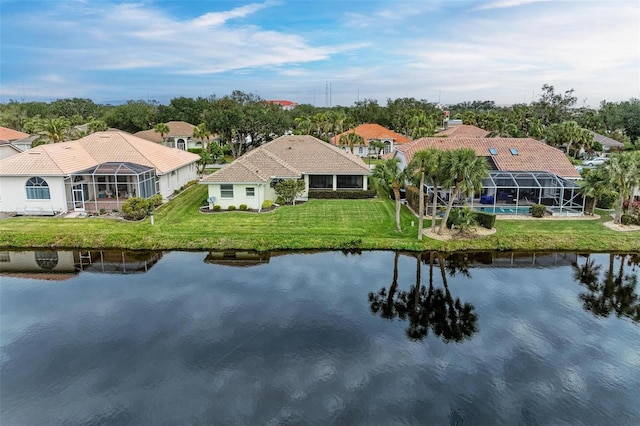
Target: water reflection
<point>429,308</point>
<point>65,264</point>
<point>612,290</point>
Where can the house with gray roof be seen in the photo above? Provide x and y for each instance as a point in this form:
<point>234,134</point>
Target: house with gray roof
<point>251,178</point>
<point>98,171</point>
<point>608,144</point>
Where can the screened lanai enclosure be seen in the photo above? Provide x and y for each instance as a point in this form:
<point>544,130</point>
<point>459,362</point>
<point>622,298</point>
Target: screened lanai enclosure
<point>108,185</point>
<point>515,192</point>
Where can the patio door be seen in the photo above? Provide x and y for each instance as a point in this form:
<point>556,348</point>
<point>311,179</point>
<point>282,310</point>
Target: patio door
<point>78,198</point>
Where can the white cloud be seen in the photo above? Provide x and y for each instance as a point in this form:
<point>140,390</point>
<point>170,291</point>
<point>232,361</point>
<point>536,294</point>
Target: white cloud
<point>501,4</point>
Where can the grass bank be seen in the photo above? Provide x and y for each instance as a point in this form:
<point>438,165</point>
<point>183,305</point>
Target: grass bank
<point>316,224</point>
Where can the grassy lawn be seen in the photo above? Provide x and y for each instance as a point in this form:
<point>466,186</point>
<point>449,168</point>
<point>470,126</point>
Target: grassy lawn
<point>316,224</point>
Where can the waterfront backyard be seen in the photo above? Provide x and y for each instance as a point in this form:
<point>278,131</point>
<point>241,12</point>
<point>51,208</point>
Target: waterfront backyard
<point>315,224</point>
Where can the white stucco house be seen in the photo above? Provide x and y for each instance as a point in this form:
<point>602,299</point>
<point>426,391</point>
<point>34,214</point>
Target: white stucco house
<point>251,178</point>
<point>99,171</point>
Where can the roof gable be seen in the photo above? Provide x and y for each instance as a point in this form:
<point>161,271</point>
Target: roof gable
<point>176,129</point>
<point>372,131</point>
<point>463,131</point>
<point>11,135</point>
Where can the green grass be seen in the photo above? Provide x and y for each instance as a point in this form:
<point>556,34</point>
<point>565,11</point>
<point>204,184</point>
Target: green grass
<point>316,224</point>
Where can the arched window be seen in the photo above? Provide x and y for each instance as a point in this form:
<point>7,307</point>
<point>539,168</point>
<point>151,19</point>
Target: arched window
<point>47,259</point>
<point>37,189</point>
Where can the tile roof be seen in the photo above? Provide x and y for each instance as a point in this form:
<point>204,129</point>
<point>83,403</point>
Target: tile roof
<point>606,141</point>
<point>11,135</point>
<point>100,147</point>
<point>373,132</point>
<point>290,157</point>
<point>176,128</point>
<point>532,154</point>
<point>463,131</point>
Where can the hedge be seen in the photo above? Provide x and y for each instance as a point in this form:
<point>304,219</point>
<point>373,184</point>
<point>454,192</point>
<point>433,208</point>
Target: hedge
<point>486,220</point>
<point>413,198</point>
<point>607,200</point>
<point>343,194</point>
<point>538,210</point>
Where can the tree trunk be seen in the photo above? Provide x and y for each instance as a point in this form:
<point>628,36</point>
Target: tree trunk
<point>618,214</point>
<point>434,208</point>
<point>396,193</point>
<point>421,207</point>
<point>452,197</point>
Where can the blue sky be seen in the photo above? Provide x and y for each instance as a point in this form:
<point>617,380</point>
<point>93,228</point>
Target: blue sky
<point>448,51</point>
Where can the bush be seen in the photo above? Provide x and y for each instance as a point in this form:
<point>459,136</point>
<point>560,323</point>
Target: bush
<point>627,219</point>
<point>538,210</point>
<point>463,218</point>
<point>342,194</point>
<point>231,208</point>
<point>243,207</point>
<point>413,198</point>
<point>486,220</point>
<point>204,202</point>
<point>607,200</point>
<point>266,204</point>
<point>103,211</point>
<point>155,200</point>
<point>136,208</point>
<point>216,208</point>
<point>114,210</point>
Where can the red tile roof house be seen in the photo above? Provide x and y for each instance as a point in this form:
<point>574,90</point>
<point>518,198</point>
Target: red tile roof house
<point>180,136</point>
<point>98,171</point>
<point>371,132</point>
<point>11,135</point>
<point>462,131</point>
<point>523,172</point>
<point>251,178</point>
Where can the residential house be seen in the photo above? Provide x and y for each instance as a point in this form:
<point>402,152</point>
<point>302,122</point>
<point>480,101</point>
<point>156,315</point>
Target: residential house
<point>369,133</point>
<point>11,135</point>
<point>523,172</point>
<point>251,178</point>
<point>462,131</point>
<point>285,105</point>
<point>98,171</point>
<point>608,144</point>
<point>7,149</point>
<point>180,136</point>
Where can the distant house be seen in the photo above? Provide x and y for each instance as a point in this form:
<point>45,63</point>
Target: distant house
<point>286,105</point>
<point>98,171</point>
<point>462,131</point>
<point>7,149</point>
<point>370,133</point>
<point>251,178</point>
<point>180,136</point>
<point>11,135</point>
<point>523,172</point>
<point>608,144</point>
<point>24,144</point>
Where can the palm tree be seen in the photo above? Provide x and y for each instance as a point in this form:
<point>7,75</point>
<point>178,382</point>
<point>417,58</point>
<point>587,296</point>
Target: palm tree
<point>201,132</point>
<point>389,177</point>
<point>464,172</point>
<point>622,173</point>
<point>593,185</point>
<point>54,130</point>
<point>384,302</point>
<point>422,164</point>
<point>161,128</point>
<point>304,125</point>
<point>351,139</point>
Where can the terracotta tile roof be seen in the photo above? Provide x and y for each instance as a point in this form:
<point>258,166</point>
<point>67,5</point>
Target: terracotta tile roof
<point>463,131</point>
<point>100,147</point>
<point>11,135</point>
<point>372,132</point>
<point>176,128</point>
<point>290,157</point>
<point>532,155</point>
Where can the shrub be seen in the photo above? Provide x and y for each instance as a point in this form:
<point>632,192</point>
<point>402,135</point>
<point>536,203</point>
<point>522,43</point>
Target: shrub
<point>216,208</point>
<point>156,200</point>
<point>289,189</point>
<point>538,210</point>
<point>103,211</point>
<point>266,204</point>
<point>463,218</point>
<point>607,200</point>
<point>486,220</point>
<point>342,194</point>
<point>204,202</point>
<point>243,207</point>
<point>136,208</point>
<point>114,210</point>
<point>627,219</point>
<point>231,208</point>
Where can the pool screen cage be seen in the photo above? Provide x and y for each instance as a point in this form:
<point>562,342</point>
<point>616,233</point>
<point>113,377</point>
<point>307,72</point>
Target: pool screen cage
<point>515,192</point>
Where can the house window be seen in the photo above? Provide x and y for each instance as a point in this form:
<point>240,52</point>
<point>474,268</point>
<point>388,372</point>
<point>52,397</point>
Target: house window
<point>250,192</point>
<point>37,189</point>
<point>360,150</point>
<point>321,182</point>
<point>226,191</point>
<point>513,151</point>
<point>493,151</point>
<point>349,182</point>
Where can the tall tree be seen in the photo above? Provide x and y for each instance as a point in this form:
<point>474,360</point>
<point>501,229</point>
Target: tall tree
<point>465,172</point>
<point>422,165</point>
<point>201,132</point>
<point>622,173</point>
<point>351,139</point>
<point>161,128</point>
<point>54,130</point>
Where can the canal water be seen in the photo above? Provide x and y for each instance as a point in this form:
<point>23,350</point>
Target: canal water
<point>364,338</point>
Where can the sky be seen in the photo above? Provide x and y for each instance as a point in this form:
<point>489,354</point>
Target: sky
<point>320,52</point>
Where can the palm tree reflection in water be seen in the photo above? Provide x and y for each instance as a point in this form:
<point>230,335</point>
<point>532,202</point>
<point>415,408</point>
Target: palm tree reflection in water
<point>429,308</point>
<point>615,292</point>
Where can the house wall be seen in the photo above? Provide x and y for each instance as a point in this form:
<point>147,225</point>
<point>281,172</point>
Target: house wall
<point>171,181</point>
<point>239,195</point>
<point>33,261</point>
<point>13,194</point>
